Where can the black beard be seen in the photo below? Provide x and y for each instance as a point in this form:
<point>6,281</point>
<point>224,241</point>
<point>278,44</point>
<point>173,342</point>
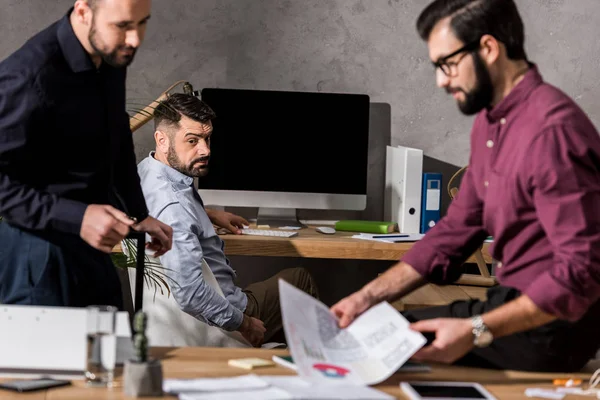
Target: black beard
<point>176,164</point>
<point>482,95</point>
<point>111,58</point>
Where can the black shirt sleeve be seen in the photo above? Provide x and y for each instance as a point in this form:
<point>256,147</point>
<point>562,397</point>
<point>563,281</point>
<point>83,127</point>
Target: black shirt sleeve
<point>126,178</point>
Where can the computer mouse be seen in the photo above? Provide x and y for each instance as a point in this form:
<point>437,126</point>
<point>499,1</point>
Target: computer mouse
<point>326,230</point>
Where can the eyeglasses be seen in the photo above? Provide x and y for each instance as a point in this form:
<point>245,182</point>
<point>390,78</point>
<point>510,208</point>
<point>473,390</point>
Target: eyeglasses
<point>449,68</point>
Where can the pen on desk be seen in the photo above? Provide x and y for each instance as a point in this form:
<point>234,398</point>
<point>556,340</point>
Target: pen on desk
<point>389,236</point>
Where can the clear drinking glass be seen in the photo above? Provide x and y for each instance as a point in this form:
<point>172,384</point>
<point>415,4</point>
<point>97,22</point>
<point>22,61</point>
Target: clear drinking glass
<point>101,345</point>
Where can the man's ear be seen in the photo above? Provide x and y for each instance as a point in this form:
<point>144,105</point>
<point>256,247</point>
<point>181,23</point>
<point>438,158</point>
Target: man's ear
<point>162,141</point>
<point>490,49</point>
<point>83,12</point>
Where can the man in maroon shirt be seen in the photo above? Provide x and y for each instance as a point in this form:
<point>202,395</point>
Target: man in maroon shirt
<point>533,183</point>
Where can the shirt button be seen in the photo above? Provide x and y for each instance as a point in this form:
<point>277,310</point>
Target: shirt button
<point>499,265</point>
<point>490,144</point>
<point>486,184</point>
<point>503,121</point>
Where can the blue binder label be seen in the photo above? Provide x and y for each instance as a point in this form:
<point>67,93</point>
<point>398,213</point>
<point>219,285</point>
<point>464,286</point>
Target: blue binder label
<point>431,200</point>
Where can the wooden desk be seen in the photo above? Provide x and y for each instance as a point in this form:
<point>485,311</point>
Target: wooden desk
<point>311,244</point>
<point>190,362</point>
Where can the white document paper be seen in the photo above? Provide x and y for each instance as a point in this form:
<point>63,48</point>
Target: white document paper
<point>270,393</point>
<point>367,352</point>
<point>244,382</point>
<point>299,388</point>
<point>251,387</point>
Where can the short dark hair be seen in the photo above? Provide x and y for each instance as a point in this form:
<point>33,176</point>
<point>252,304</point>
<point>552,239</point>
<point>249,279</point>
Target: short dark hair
<point>169,111</point>
<point>471,19</point>
<point>93,4</point>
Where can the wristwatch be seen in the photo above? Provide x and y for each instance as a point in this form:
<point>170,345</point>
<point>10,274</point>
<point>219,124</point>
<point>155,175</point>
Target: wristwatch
<point>482,337</point>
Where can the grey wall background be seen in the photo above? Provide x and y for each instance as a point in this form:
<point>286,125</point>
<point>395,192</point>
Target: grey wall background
<point>366,46</point>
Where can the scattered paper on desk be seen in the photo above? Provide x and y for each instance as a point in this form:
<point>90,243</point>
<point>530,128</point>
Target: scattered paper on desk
<point>390,238</point>
<point>270,393</point>
<point>369,351</point>
<point>277,387</point>
<point>175,386</point>
<point>302,389</point>
<point>544,393</point>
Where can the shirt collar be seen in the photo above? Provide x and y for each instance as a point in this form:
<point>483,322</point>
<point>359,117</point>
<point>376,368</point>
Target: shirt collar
<point>170,173</point>
<point>77,57</point>
<point>531,80</point>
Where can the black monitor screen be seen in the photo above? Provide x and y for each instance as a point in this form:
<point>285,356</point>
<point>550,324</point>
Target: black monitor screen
<point>288,141</point>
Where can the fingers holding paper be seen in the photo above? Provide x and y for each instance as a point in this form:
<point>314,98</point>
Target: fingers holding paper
<point>453,339</point>
<point>350,308</point>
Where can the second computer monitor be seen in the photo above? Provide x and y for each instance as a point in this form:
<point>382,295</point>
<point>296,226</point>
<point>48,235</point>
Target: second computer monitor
<point>284,150</point>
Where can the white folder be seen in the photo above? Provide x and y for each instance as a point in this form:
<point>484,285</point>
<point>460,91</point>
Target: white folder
<point>403,181</point>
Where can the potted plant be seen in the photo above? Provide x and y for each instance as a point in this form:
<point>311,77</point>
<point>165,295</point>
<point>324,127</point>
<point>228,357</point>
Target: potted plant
<point>142,376</point>
<point>155,274</point>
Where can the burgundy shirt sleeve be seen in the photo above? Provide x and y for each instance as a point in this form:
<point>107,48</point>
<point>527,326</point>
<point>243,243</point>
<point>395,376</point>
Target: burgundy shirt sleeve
<point>566,194</point>
<point>442,251</point>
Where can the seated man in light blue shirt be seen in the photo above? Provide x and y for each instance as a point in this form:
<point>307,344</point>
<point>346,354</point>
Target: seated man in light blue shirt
<point>182,133</point>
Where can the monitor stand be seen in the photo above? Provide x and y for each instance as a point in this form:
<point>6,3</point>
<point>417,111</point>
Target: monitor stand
<point>278,217</point>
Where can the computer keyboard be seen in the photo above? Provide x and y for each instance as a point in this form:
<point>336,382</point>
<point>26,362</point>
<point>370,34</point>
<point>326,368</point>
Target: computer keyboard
<point>264,232</point>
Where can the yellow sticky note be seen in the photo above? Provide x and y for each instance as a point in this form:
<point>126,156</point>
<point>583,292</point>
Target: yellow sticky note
<point>250,363</point>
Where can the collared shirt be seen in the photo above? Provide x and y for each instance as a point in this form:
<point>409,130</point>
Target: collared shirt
<point>172,199</point>
<point>533,183</point>
<point>65,140</point>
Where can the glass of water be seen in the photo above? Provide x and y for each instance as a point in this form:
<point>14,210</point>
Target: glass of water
<point>101,345</point>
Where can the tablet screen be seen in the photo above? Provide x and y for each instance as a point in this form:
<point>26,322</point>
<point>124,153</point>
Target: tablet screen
<point>447,392</point>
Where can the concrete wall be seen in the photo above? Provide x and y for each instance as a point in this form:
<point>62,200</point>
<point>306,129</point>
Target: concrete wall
<point>367,46</point>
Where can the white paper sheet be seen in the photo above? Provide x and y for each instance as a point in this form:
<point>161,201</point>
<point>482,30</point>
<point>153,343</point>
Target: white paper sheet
<point>369,351</point>
<point>252,381</point>
<point>252,387</point>
<point>299,388</point>
<point>270,393</point>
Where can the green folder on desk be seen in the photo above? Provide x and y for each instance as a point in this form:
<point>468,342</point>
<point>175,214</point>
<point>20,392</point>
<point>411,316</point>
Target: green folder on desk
<point>366,226</point>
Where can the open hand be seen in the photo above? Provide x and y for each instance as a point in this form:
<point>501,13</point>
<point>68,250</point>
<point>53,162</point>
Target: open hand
<point>349,308</point>
<point>453,339</point>
<point>227,220</point>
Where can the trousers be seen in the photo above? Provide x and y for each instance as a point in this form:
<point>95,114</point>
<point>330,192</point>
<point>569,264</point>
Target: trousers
<point>263,300</point>
<point>559,346</point>
<point>35,271</point>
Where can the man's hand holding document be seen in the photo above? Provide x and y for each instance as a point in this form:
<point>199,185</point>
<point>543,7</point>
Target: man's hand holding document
<point>367,352</point>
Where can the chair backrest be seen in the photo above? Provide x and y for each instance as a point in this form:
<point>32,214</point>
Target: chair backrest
<point>453,185</point>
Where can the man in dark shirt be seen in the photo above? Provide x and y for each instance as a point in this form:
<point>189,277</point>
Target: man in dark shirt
<point>533,183</point>
<point>69,189</point>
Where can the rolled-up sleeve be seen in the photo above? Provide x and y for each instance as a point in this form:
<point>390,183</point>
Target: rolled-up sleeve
<point>20,203</point>
<point>442,251</point>
<point>183,264</point>
<point>566,191</point>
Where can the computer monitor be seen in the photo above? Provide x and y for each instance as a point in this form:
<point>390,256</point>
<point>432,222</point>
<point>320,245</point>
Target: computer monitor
<point>284,150</point>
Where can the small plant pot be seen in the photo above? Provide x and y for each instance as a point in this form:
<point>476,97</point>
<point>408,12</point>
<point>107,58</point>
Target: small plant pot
<point>143,378</point>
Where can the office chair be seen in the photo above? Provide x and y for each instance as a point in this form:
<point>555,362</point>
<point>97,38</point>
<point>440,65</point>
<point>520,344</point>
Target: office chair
<point>487,280</point>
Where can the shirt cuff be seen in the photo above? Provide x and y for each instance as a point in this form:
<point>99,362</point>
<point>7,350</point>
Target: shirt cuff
<point>233,323</point>
<point>68,216</point>
<point>554,298</point>
<point>420,258</point>
<point>430,263</point>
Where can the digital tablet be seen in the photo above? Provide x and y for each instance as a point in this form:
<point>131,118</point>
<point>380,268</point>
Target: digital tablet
<point>30,385</point>
<point>446,391</point>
